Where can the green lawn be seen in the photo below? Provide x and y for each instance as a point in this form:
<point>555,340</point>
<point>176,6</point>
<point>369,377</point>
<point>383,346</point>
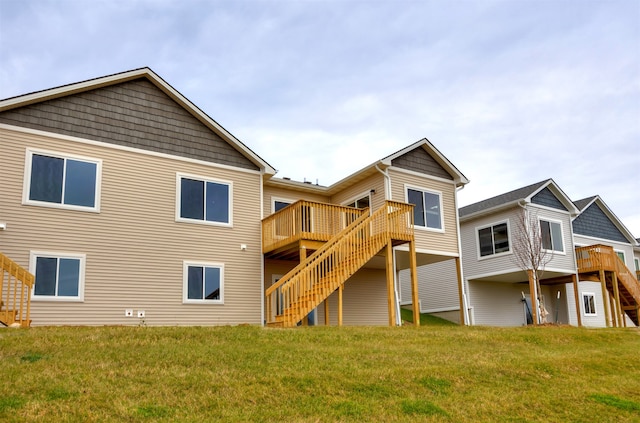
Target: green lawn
<point>316,374</point>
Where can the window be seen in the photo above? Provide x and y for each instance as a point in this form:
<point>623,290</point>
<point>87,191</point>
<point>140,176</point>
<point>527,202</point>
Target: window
<point>551,233</point>
<point>360,203</point>
<point>57,180</point>
<point>493,239</point>
<point>589,302</point>
<point>58,276</point>
<point>427,212</point>
<point>204,200</point>
<point>203,282</point>
<point>637,263</point>
<point>620,255</point>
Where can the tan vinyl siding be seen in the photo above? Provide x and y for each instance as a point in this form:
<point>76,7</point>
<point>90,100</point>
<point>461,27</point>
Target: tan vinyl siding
<point>364,301</point>
<point>134,247</point>
<point>281,193</point>
<point>362,188</point>
<point>444,242</point>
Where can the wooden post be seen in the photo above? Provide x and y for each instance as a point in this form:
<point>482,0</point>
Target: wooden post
<point>460,290</point>
<point>340,288</point>
<point>415,298</point>
<point>534,298</point>
<point>616,293</point>
<point>576,294</point>
<point>605,298</point>
<point>303,257</point>
<point>390,290</point>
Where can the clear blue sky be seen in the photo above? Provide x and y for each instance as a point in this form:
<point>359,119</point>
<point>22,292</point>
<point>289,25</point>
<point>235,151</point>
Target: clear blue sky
<point>512,92</point>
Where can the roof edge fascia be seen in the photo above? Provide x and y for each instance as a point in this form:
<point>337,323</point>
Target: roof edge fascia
<point>494,209</point>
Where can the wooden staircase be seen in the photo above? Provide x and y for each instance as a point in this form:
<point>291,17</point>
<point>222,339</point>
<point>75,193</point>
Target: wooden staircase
<point>15,293</point>
<point>620,282</point>
<point>310,283</point>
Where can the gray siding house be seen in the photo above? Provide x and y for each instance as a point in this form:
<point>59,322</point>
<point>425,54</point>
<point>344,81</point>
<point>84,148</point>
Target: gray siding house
<point>499,287</point>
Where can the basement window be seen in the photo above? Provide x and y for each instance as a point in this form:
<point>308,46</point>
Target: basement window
<point>589,303</point>
<point>59,277</point>
<point>203,283</point>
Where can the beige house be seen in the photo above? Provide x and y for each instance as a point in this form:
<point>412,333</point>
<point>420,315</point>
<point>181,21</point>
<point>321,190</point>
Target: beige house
<point>130,205</point>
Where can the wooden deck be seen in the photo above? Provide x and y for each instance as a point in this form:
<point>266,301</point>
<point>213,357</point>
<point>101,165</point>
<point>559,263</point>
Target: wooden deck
<point>343,238</point>
<point>601,263</point>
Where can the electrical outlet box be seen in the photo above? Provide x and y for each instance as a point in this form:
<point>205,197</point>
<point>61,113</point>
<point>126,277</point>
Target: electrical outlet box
<point>128,313</point>
<point>141,313</point>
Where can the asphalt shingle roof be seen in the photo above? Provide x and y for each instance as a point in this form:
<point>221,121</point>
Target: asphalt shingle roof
<point>498,200</point>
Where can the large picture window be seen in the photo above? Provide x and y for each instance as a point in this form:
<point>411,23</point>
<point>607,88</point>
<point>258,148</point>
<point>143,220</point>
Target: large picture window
<point>551,235</point>
<point>427,212</point>
<point>57,180</point>
<point>493,239</point>
<point>204,200</point>
<point>203,282</point>
<point>58,276</point>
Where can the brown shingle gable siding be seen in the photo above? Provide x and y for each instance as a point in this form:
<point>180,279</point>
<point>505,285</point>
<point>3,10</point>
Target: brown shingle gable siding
<point>133,114</point>
<point>418,160</point>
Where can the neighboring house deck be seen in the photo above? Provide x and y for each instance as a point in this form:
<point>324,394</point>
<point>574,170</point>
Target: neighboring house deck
<point>129,204</point>
<point>581,281</point>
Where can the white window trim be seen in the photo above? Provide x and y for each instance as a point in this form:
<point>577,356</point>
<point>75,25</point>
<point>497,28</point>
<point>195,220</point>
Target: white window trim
<point>26,184</point>
<point>185,282</point>
<point>624,259</point>
<point>33,255</point>
<point>179,176</point>
<point>358,197</point>
<point>595,304</point>
<point>490,225</point>
<point>564,247</point>
<point>280,200</point>
<point>636,264</point>
<point>407,187</point>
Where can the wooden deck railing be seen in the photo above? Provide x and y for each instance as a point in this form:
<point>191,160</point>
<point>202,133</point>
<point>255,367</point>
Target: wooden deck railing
<point>602,257</point>
<point>313,280</point>
<point>306,220</point>
<point>15,293</point>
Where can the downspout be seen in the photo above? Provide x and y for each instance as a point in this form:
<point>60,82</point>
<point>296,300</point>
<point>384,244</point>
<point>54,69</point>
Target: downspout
<point>387,196</point>
<point>465,300</point>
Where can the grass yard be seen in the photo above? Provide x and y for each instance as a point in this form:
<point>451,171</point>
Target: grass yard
<point>436,373</point>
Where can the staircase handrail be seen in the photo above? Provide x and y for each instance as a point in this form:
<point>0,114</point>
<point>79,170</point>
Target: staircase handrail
<point>18,279</point>
<point>628,281</point>
<point>356,235</point>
